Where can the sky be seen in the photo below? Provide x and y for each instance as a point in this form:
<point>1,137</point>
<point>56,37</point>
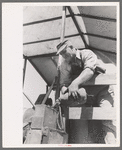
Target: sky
<point>34,85</point>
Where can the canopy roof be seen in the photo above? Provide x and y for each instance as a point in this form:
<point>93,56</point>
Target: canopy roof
<point>86,26</point>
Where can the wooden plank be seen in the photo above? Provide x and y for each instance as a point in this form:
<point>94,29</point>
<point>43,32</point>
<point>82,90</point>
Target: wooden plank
<point>102,79</point>
<point>92,113</point>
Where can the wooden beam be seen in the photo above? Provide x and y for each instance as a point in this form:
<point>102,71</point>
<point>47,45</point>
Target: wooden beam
<point>102,79</point>
<point>92,113</point>
<point>77,25</point>
<point>63,24</point>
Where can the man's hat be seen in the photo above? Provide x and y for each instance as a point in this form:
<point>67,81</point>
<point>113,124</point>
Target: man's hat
<point>62,46</point>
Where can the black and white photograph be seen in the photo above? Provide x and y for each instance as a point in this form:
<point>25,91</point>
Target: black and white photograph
<point>70,75</point>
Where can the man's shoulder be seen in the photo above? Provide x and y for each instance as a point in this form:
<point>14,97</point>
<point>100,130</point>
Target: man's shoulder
<point>84,53</point>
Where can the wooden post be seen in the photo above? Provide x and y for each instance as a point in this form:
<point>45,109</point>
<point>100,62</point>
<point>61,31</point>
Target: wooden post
<point>63,23</point>
<point>59,60</point>
<point>77,26</point>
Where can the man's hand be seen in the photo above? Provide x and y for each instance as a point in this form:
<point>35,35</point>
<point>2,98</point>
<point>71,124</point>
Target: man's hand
<point>73,90</point>
<point>64,90</point>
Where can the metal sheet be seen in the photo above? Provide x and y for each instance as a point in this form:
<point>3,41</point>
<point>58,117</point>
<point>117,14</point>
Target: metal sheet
<point>46,68</point>
<point>103,44</point>
<point>48,30</point>
<point>49,46</point>
<point>100,27</point>
<point>35,13</point>
<point>102,11</point>
<point>100,21</point>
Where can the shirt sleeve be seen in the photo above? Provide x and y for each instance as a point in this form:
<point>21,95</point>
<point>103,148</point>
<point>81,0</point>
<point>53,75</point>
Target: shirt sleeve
<point>65,74</point>
<point>89,59</point>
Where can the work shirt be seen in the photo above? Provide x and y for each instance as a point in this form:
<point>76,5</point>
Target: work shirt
<point>84,59</point>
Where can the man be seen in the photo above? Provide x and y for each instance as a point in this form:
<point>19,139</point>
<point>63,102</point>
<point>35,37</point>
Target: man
<point>78,67</point>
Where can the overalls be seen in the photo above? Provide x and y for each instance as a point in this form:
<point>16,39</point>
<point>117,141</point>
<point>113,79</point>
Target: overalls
<point>103,95</point>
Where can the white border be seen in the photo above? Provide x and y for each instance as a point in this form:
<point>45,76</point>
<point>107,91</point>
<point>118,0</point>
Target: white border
<point>12,51</point>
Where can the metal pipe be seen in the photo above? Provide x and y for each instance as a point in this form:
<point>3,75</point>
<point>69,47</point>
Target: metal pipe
<point>24,69</point>
<point>49,91</point>
<point>29,100</point>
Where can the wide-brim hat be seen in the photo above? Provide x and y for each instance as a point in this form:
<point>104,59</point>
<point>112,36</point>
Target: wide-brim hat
<point>62,46</point>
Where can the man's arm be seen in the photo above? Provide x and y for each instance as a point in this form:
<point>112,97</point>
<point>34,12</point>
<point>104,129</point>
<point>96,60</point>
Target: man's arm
<point>89,60</point>
<point>86,75</point>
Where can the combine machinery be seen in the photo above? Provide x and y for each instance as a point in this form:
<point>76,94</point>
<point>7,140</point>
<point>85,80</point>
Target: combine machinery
<point>92,27</point>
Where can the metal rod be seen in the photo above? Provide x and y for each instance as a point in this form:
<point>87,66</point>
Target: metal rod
<point>29,100</point>
<point>96,17</point>
<point>100,36</point>
<point>24,70</point>
<point>43,21</point>
<point>49,91</point>
<point>46,88</point>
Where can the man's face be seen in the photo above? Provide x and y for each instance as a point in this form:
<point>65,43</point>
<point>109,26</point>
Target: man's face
<point>68,55</point>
